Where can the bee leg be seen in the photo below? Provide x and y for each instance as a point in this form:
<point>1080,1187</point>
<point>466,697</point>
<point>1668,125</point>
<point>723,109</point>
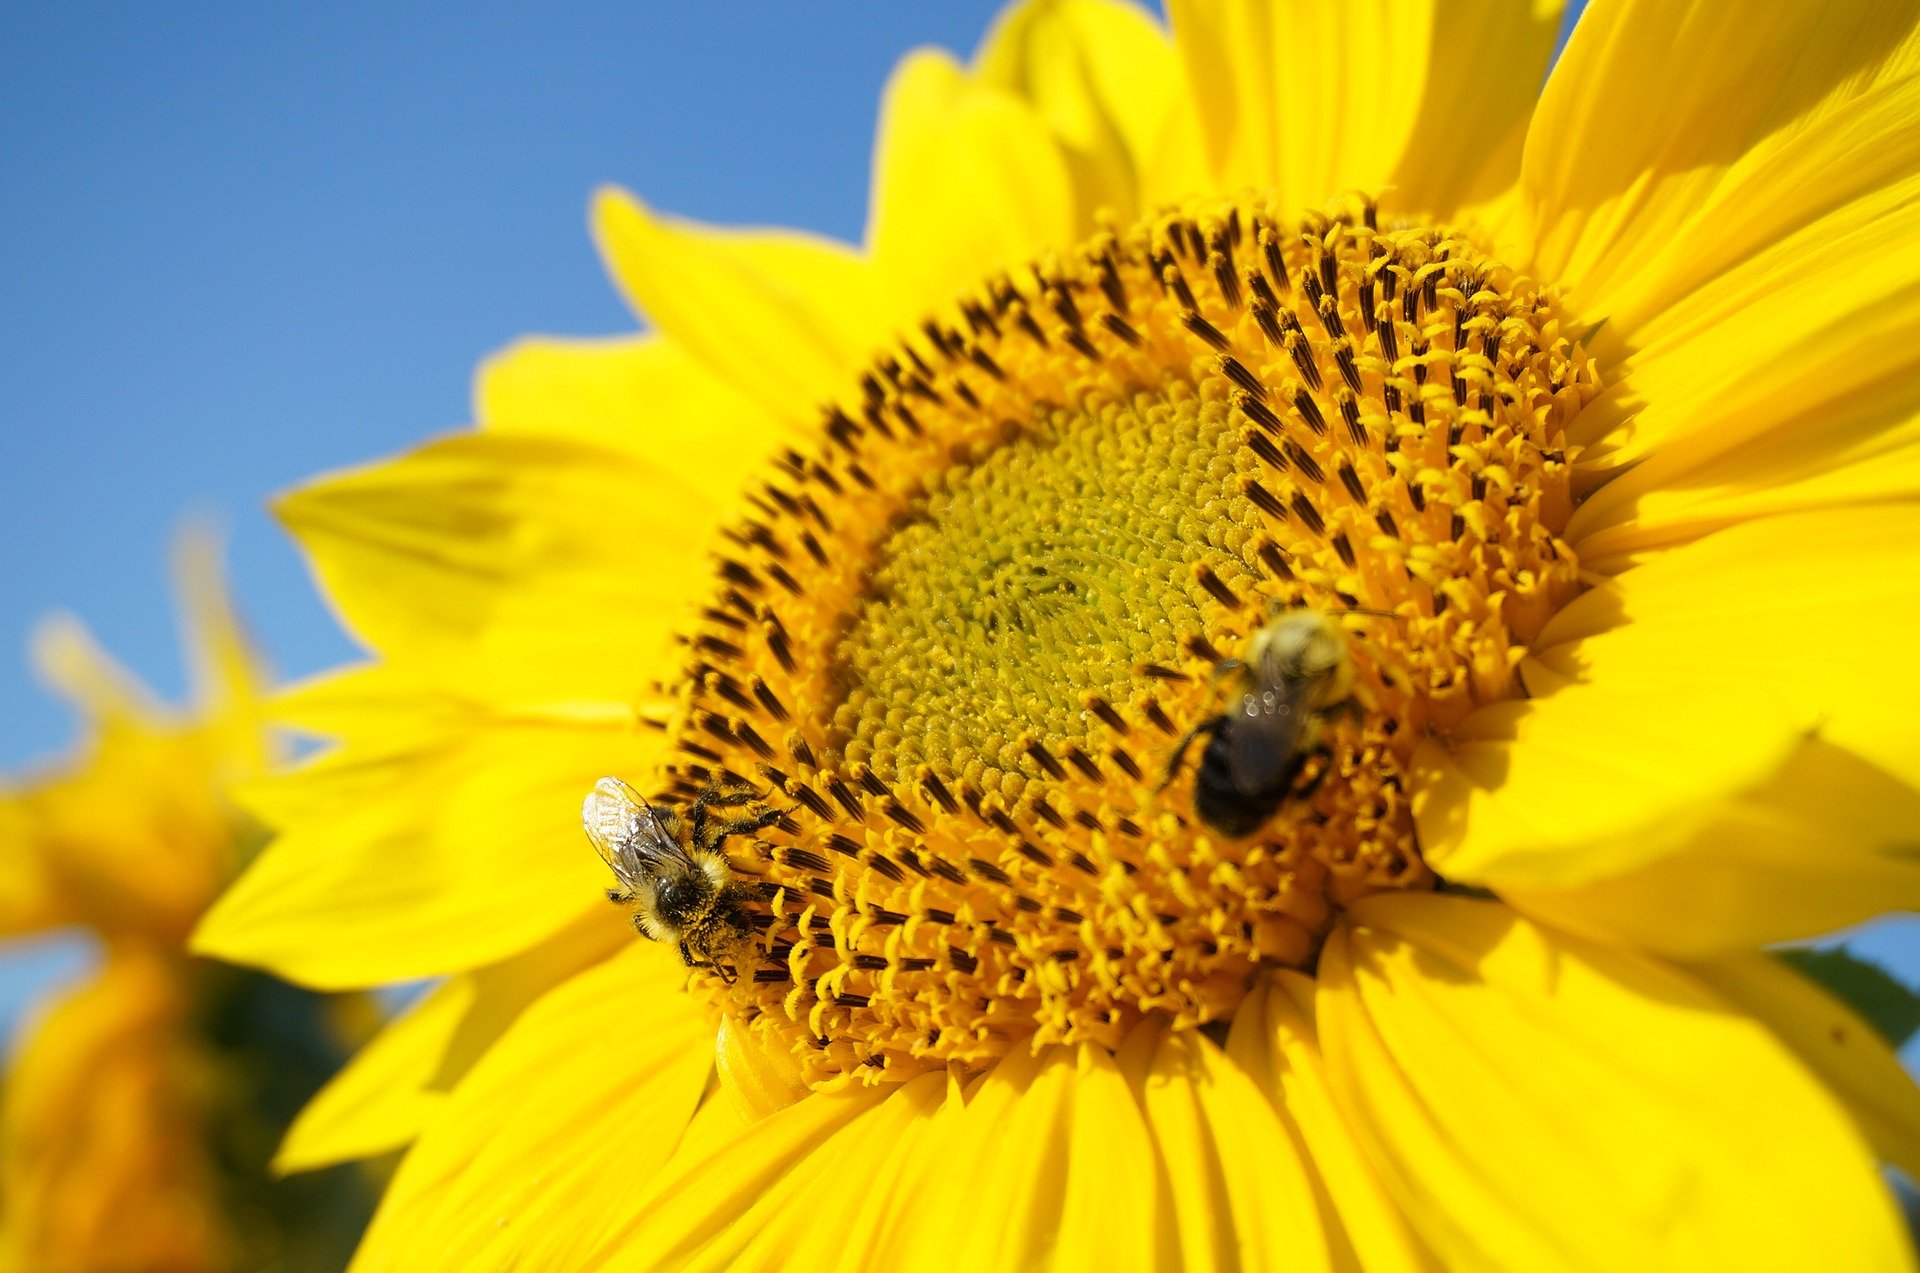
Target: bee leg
<point>697,816</point>
<point>620,895</point>
<point>1225,666</point>
<point>747,826</point>
<point>1305,790</point>
<point>1180,749</point>
<point>728,797</point>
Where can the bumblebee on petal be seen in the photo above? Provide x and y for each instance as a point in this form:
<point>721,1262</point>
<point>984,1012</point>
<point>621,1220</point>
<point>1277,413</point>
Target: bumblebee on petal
<point>672,870</point>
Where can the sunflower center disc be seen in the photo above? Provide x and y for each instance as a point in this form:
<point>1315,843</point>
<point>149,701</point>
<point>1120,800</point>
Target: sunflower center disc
<point>962,637</point>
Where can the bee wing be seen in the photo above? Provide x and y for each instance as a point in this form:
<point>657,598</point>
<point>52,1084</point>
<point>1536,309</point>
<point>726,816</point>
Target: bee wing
<point>1263,740</point>
<point>629,834</point>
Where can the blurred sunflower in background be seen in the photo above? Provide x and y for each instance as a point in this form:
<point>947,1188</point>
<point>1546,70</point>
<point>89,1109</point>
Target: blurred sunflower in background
<point>142,1108</point>
<point>1578,421</point>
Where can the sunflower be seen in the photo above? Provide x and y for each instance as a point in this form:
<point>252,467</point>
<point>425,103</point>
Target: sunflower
<point>1576,421</point>
<point>140,1110</point>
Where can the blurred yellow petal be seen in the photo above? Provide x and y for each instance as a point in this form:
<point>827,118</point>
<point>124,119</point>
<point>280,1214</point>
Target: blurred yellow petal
<point>1651,108</point>
<point>474,558</point>
<point>1592,778</point>
<point>229,681</point>
<point>1241,1192</point>
<point>783,318</point>
<point>1847,1053</point>
<point>1538,1102</point>
<point>1056,1148</point>
<point>641,395</point>
<point>1793,362</point>
<point>810,1187</point>
<point>1483,71</point>
<point>1102,76</point>
<point>364,697</point>
<point>967,180</point>
<point>70,661</point>
<point>1424,100</point>
<point>380,1101</point>
<point>1713,671</point>
<point>757,1082</point>
<point>1274,1041</point>
<point>103,1159</point>
<point>595,1083</point>
<point>424,861</point>
<point>393,1088</point>
<point>1826,843</point>
<point>134,835</point>
<point>1813,611</point>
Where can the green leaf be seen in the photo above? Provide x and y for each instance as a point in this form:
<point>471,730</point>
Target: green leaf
<point>1870,990</point>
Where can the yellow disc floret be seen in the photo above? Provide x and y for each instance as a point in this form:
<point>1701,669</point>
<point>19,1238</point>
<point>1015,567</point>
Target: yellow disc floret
<point>961,636</point>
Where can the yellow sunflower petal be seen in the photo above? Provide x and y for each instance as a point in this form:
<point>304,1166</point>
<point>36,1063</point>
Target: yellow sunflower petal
<point>503,991</point>
<point>757,1081</point>
<point>1828,842</point>
<point>1541,1102</point>
<point>1846,1052</point>
<point>638,394</point>
<point>1868,452</point>
<point>380,1101</point>
<point>136,836</point>
<point>1484,64</point>
<point>596,1082</point>
<point>1814,611</point>
<point>364,697</point>
<point>784,318</point>
<point>30,894</point>
<point>1056,1150</point>
<point>1712,660</point>
<point>1241,1192</point>
<point>1274,1041</point>
<point>968,179</point>
<point>1794,361</point>
<point>69,660</point>
<point>809,1187</point>
<point>474,558</point>
<point>1653,104</point>
<point>1318,99</point>
<point>424,861</point>
<point>1102,75</point>
<point>392,1088</point>
<point>1592,779</point>
<point>227,677</point>
<point>104,1159</point>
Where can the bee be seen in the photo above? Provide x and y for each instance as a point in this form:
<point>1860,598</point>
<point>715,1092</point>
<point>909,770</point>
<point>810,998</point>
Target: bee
<point>671,868</point>
<point>1295,673</point>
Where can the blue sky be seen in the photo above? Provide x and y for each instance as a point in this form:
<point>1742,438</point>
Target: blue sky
<point>243,244</point>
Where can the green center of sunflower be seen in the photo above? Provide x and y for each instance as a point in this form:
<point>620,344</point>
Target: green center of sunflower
<point>963,639</point>
<point>1061,562</point>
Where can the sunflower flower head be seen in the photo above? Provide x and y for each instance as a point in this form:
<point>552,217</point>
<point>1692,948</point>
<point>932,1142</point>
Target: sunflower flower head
<point>141,1106</point>
<point>959,638</point>
<point>1233,679</point>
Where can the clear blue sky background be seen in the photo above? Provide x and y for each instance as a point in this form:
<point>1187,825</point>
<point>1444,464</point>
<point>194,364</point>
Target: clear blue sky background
<point>243,244</point>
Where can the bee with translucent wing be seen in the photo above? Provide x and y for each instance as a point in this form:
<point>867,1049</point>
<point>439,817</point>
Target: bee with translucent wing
<point>671,868</point>
<point>1296,673</point>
